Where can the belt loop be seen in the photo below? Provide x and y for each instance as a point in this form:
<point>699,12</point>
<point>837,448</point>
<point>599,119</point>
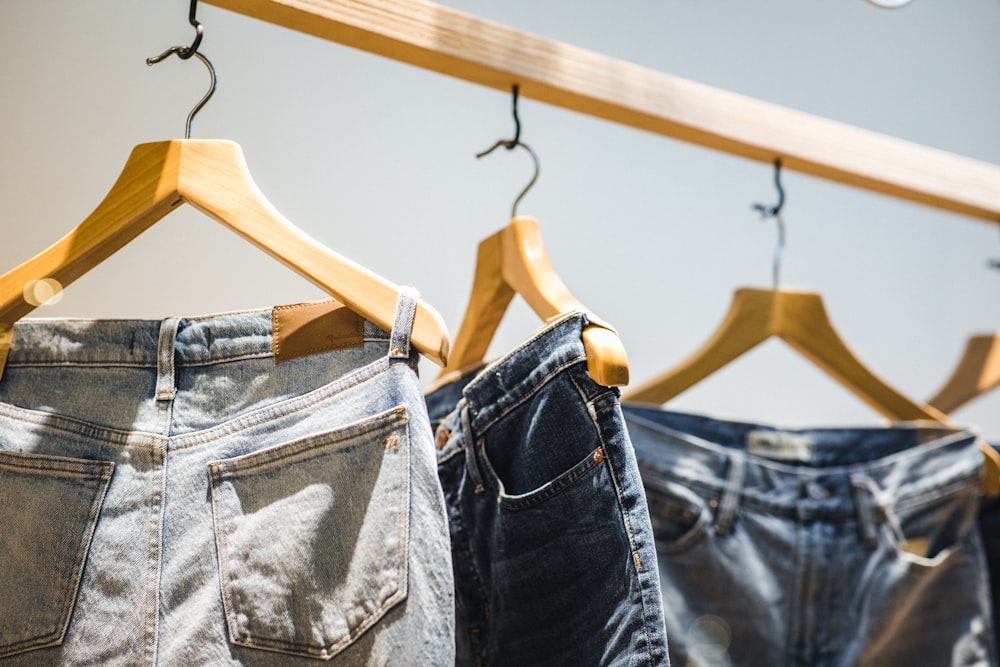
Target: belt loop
<point>165,385</point>
<point>399,338</point>
<point>731,494</point>
<point>866,498</point>
<point>469,444</point>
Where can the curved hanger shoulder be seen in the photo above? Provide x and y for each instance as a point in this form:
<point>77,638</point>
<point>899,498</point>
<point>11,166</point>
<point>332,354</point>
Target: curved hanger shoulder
<point>806,327</point>
<point>799,319</point>
<point>213,177</point>
<point>216,181</point>
<point>512,261</point>
<point>746,325</point>
<point>977,372</point>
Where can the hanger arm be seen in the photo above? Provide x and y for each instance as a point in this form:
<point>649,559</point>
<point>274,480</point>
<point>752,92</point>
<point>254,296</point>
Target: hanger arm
<point>490,297</point>
<point>746,325</point>
<point>514,260</point>
<point>977,372</point>
<point>806,327</point>
<point>145,191</point>
<point>213,177</point>
<point>217,182</point>
<point>799,319</point>
<point>526,267</point>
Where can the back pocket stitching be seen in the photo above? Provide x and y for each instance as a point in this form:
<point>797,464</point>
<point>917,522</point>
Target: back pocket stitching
<point>91,472</point>
<point>394,424</point>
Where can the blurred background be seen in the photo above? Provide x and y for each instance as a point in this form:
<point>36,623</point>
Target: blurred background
<point>375,159</point>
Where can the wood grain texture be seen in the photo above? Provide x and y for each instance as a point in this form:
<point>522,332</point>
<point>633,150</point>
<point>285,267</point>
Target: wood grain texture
<point>450,42</point>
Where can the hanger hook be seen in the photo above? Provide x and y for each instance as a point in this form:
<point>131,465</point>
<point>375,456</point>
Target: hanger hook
<point>993,263</point>
<point>511,144</point>
<point>775,212</point>
<point>184,53</point>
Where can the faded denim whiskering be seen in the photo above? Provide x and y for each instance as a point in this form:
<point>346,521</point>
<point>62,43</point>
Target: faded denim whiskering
<point>552,546</point>
<point>816,547</point>
<point>171,496</point>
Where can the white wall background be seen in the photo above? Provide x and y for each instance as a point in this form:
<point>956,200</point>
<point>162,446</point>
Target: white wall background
<point>375,159</point>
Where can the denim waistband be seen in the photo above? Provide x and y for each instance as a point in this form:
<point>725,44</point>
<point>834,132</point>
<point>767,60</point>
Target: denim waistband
<point>126,342</point>
<point>509,380</point>
<point>825,467</point>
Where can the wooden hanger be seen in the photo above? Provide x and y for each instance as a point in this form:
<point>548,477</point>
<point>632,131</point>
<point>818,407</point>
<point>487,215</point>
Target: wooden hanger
<point>800,319</point>
<point>213,177</point>
<point>977,372</point>
<point>514,261</point>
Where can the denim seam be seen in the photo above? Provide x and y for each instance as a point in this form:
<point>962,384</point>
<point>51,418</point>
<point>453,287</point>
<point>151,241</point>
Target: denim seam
<point>151,362</point>
<point>304,448</point>
<point>283,408</point>
<point>930,495</point>
<point>42,464</point>
<point>243,636</point>
<point>551,329</point>
<point>482,624</point>
<point>695,534</point>
<point>105,435</point>
<point>112,436</point>
<point>535,388</point>
<point>563,482</point>
<point>466,547</point>
<point>154,554</point>
<point>71,571</point>
<point>643,581</point>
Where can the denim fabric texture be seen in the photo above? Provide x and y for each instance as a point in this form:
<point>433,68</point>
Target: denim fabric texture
<point>989,526</point>
<point>169,495</point>
<point>552,544</point>
<point>816,547</point>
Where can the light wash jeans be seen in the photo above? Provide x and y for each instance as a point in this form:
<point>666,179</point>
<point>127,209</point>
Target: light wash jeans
<point>816,547</point>
<point>553,550</point>
<point>169,495</point>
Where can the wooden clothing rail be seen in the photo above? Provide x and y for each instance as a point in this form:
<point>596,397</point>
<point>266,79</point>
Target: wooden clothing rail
<point>444,40</point>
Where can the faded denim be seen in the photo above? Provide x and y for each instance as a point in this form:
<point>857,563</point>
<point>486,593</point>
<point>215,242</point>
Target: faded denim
<point>171,496</point>
<point>552,545</point>
<point>816,547</point>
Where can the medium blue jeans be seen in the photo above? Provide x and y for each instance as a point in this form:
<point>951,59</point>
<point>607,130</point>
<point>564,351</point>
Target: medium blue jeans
<point>170,495</point>
<point>552,545</point>
<point>820,547</point>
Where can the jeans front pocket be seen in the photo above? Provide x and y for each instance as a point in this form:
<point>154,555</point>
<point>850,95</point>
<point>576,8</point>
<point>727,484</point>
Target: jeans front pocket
<point>312,536</point>
<point>48,512</point>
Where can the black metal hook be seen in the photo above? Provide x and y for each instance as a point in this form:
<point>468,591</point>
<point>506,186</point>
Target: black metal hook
<point>993,264</point>
<point>775,212</point>
<point>184,53</point>
<point>511,144</point>
<point>772,211</point>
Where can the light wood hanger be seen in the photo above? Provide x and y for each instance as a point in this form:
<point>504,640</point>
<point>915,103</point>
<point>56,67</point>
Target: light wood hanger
<point>977,372</point>
<point>800,319</point>
<point>514,261</point>
<point>213,177</point>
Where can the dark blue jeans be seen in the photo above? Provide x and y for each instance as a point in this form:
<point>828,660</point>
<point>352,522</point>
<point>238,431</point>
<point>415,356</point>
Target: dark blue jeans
<point>551,540</point>
<point>989,526</point>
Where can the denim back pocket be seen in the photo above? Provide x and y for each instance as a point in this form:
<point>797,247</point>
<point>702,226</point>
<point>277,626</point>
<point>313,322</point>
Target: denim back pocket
<point>312,536</point>
<point>48,512</point>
